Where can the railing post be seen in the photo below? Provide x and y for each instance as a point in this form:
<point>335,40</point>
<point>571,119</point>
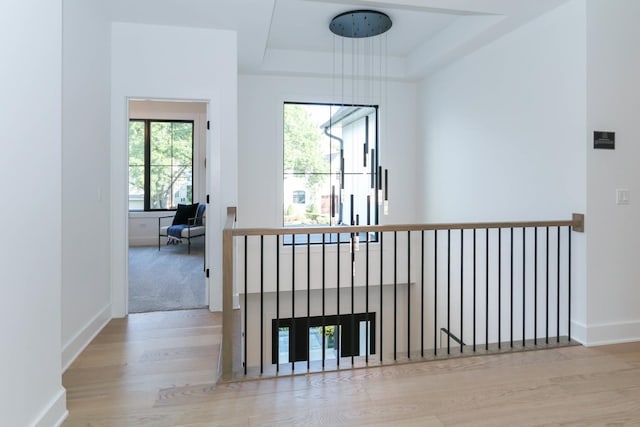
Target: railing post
<point>227,295</point>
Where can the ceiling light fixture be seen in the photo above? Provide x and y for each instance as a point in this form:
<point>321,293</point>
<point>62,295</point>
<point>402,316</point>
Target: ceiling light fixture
<point>360,69</point>
<point>360,23</point>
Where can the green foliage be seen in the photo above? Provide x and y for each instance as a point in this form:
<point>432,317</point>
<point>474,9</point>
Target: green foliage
<point>290,210</point>
<point>302,146</point>
<point>136,157</point>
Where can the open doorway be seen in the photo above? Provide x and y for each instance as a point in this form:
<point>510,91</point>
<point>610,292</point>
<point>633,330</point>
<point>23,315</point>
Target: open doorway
<point>167,182</point>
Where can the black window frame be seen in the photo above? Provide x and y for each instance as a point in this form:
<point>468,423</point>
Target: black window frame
<point>336,204</point>
<point>348,324</point>
<point>147,161</point>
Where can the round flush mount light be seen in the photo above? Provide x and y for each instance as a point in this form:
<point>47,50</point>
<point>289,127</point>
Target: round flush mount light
<point>360,24</point>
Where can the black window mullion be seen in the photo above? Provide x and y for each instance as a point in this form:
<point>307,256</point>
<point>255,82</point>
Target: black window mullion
<point>147,163</point>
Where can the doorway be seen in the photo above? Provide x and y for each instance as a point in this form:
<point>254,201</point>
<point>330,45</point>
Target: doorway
<point>167,143</point>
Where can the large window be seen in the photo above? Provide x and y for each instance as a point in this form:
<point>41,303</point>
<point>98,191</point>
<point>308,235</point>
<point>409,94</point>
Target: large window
<point>322,337</point>
<point>160,164</point>
<point>330,165</point>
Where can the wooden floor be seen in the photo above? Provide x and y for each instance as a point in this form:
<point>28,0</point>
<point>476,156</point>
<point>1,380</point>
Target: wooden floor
<point>159,369</point>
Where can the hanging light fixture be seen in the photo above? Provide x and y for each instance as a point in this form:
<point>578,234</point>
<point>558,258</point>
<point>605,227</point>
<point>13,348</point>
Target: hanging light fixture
<point>360,78</point>
<point>360,23</point>
<point>360,56</point>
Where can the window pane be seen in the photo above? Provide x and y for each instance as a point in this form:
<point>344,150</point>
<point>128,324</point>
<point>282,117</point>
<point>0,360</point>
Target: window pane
<point>182,191</point>
<point>182,143</point>
<point>283,345</point>
<point>136,165</point>
<point>160,187</point>
<point>160,143</point>
<point>305,200</point>
<point>136,188</point>
<point>136,143</point>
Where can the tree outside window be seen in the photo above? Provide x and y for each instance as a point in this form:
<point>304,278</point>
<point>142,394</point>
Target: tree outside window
<point>160,164</point>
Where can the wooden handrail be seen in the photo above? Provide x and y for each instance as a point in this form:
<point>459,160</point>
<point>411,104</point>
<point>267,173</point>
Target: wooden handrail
<point>577,222</point>
<point>227,294</point>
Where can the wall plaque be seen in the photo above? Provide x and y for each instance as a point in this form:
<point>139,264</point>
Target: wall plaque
<point>604,140</point>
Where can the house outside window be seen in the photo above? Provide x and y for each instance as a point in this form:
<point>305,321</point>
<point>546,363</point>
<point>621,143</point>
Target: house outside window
<point>160,164</point>
<point>299,197</point>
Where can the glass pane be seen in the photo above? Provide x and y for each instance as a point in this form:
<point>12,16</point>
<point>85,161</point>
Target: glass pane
<point>136,143</point>
<point>306,147</point>
<point>315,342</point>
<point>352,124</point>
<point>182,191</point>
<point>161,147</point>
<point>306,199</point>
<point>283,345</point>
<point>136,188</point>
<point>359,186</point>
<point>182,134</point>
<point>160,187</point>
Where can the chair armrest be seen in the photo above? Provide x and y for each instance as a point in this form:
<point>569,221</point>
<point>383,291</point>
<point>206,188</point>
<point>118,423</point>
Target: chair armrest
<point>160,218</point>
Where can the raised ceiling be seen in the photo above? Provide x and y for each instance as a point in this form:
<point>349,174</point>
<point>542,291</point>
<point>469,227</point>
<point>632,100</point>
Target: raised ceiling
<point>292,36</point>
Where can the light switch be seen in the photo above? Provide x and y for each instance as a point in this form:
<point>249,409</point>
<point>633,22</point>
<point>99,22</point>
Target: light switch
<point>623,197</point>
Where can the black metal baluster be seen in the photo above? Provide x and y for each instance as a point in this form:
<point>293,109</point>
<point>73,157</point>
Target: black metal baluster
<point>474,290</point>
<point>261,303</point>
<point>449,291</point>
<point>395,293</point>
<point>524,287</point>
<point>308,298</point>
<point>435,293</point>
<point>499,288</point>
<point>486,304</point>
<point>353,276</point>
<point>422,296</point>
<point>535,286</point>
<point>558,298</point>
<point>381,282</point>
<point>292,335</point>
<point>409,294</point>
<point>337,331</point>
<point>511,294</point>
<point>324,322</point>
<point>278,301</point>
<point>547,294</point>
<point>461,290</point>
<point>246,307</point>
<point>366,298</point>
<point>569,284</point>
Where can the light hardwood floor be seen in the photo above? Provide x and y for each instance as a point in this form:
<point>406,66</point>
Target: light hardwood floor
<point>159,369</point>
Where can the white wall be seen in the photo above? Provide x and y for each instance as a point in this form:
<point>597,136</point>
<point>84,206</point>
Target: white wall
<point>30,256</point>
<point>503,132</point>
<point>260,146</point>
<point>203,67</point>
<point>143,226</point>
<point>613,104</point>
<point>86,292</point>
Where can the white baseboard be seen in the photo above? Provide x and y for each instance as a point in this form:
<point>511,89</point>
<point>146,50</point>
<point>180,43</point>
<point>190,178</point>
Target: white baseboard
<point>72,349</point>
<point>607,333</point>
<point>55,413</point>
<point>579,332</point>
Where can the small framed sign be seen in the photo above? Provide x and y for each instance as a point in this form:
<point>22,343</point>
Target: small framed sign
<point>604,140</point>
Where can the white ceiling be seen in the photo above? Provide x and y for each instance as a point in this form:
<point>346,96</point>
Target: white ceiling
<point>292,36</point>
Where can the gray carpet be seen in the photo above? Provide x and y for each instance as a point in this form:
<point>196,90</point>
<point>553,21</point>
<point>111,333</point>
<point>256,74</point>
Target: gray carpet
<point>168,279</point>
